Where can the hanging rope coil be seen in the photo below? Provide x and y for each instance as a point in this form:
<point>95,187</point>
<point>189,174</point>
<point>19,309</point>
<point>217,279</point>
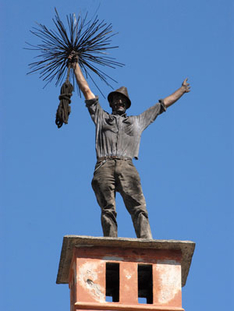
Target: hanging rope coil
<point>64,109</point>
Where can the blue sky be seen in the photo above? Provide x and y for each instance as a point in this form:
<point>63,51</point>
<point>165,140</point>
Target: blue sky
<point>185,160</point>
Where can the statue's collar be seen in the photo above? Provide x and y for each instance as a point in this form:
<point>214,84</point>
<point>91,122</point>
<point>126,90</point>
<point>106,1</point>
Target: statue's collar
<point>124,115</point>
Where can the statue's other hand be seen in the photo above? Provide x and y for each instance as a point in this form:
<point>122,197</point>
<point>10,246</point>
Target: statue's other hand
<point>186,86</point>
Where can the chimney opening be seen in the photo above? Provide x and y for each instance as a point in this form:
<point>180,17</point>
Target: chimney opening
<point>112,282</point>
<point>145,284</point>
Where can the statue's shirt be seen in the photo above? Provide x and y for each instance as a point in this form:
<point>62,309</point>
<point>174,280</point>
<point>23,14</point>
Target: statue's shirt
<point>120,135</point>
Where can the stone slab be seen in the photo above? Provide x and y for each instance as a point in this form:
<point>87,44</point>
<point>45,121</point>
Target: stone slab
<point>71,241</point>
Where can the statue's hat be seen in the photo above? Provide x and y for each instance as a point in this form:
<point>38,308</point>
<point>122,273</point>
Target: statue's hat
<point>123,91</point>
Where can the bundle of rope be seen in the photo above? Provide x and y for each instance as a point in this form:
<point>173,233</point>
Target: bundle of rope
<point>64,109</point>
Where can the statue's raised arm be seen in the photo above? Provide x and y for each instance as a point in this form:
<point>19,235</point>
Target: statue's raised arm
<point>81,81</point>
<point>171,99</point>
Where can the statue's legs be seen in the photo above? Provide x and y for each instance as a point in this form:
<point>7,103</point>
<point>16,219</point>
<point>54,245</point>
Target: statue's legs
<point>103,184</point>
<point>122,176</point>
<point>129,185</point>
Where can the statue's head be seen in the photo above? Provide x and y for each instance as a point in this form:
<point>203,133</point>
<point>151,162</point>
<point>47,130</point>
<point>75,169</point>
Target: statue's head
<point>119,100</point>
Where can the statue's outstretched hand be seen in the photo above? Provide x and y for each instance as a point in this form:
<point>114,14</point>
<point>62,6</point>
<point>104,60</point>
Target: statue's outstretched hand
<point>186,86</point>
<point>73,59</point>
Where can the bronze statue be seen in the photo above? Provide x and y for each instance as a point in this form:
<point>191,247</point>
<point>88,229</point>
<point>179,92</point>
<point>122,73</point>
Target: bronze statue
<point>117,143</point>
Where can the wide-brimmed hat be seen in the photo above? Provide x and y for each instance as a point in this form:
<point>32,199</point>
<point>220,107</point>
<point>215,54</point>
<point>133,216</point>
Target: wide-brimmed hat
<point>123,91</point>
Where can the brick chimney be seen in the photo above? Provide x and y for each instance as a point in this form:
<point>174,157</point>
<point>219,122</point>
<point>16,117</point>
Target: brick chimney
<point>124,274</point>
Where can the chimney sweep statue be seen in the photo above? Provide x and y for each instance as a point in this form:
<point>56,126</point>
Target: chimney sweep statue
<point>117,143</point>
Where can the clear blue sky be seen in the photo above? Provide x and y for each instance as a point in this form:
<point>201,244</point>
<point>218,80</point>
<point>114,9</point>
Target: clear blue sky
<point>185,161</point>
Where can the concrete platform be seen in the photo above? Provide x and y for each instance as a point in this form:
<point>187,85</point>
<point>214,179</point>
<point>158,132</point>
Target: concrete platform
<point>70,241</point>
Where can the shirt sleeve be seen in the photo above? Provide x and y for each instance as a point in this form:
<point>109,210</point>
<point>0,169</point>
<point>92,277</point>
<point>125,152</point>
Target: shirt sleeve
<point>149,116</point>
<point>94,108</point>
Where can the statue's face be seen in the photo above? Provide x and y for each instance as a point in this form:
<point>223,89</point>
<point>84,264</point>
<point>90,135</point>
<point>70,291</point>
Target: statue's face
<point>118,104</point>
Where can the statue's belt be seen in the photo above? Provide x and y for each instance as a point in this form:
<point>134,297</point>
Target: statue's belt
<point>113,158</point>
